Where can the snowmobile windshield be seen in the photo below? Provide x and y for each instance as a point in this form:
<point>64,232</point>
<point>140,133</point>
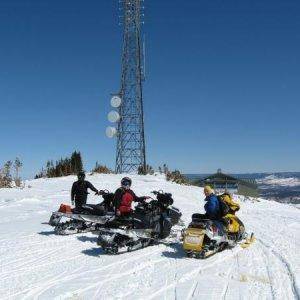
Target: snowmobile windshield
<point>165,199</point>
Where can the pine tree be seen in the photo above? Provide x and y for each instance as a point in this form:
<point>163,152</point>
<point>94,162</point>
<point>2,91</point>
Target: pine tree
<point>79,163</point>
<point>74,167</point>
<point>17,166</point>
<point>6,178</point>
<point>52,169</point>
<point>143,171</point>
<point>64,166</point>
<point>48,169</point>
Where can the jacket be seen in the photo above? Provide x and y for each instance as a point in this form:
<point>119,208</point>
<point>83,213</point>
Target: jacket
<point>123,199</point>
<point>212,207</point>
<point>79,191</point>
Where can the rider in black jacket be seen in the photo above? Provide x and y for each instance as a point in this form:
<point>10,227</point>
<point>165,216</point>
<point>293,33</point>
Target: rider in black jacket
<point>80,190</point>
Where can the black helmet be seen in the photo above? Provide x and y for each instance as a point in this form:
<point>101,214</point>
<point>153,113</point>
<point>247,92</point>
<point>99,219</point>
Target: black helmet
<point>126,182</point>
<point>81,175</point>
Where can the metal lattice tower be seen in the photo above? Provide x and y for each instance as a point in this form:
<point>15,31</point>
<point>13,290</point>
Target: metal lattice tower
<point>130,132</point>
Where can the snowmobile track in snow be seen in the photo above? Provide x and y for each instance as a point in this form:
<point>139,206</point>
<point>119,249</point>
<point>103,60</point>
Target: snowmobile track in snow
<point>194,273</point>
<point>36,264</point>
<point>286,265</point>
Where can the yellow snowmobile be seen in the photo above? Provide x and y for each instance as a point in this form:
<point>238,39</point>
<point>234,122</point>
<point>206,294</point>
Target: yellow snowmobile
<point>205,237</point>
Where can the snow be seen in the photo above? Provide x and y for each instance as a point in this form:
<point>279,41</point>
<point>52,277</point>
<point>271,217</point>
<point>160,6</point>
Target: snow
<point>279,181</point>
<point>36,264</point>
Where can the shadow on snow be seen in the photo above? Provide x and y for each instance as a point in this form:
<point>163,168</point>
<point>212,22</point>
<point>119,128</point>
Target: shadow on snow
<point>93,252</point>
<point>85,239</point>
<point>47,233</point>
<point>177,251</point>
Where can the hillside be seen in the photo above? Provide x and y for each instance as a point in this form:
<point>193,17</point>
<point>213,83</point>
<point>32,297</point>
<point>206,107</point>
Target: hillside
<point>36,264</point>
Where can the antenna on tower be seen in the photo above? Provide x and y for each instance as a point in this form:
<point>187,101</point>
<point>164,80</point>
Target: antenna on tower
<point>128,114</point>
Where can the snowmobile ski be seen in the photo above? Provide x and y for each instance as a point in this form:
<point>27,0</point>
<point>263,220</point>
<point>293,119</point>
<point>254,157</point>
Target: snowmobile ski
<point>248,241</point>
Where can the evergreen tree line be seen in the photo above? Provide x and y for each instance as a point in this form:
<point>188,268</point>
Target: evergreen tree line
<point>72,165</point>
<point>7,180</point>
<point>63,167</point>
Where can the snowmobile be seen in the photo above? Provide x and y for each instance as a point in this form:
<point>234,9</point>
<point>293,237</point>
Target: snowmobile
<point>205,237</point>
<point>88,218</point>
<point>150,222</point>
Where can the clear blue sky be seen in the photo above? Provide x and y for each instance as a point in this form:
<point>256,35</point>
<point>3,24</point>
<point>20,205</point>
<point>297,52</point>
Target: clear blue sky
<point>222,89</point>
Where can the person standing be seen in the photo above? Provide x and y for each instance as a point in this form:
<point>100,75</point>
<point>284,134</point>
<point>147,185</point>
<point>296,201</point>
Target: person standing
<point>79,191</point>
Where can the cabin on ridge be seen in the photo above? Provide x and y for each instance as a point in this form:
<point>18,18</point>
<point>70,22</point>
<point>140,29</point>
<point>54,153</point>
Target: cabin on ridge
<point>221,182</point>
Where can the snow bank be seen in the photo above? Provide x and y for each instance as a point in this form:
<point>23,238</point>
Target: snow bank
<point>36,264</point>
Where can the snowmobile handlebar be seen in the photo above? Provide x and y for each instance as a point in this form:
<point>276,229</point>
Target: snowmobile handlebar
<point>163,198</point>
<point>103,192</point>
<point>157,192</point>
<point>145,198</point>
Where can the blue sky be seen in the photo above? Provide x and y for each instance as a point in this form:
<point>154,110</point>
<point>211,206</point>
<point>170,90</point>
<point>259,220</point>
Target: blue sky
<point>222,88</point>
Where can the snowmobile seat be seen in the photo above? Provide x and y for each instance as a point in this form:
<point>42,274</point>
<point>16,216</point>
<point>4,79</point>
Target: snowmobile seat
<point>77,210</point>
<point>120,221</point>
<point>138,223</point>
<point>196,224</point>
<point>95,209</point>
<point>199,218</point>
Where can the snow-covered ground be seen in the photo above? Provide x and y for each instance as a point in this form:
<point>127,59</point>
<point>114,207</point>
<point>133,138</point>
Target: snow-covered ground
<point>279,181</point>
<point>36,264</point>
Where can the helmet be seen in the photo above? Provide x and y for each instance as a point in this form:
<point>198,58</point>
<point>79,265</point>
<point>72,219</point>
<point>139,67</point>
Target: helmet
<point>81,175</point>
<point>126,182</point>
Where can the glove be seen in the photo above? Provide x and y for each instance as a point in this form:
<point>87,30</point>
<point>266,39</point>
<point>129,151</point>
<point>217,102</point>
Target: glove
<point>97,193</point>
<point>146,197</point>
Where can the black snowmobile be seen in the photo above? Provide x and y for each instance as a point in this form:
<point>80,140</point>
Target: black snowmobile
<point>88,218</point>
<point>149,223</point>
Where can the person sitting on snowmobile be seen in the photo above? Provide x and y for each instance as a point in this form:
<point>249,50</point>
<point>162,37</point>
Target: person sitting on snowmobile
<point>212,205</point>
<point>124,197</point>
<point>212,209</point>
<point>79,191</point>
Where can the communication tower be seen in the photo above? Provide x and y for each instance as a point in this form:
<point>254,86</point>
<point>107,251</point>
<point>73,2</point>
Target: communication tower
<point>128,111</point>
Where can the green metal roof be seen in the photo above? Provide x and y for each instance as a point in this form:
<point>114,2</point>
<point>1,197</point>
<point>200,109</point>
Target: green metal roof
<point>223,178</point>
